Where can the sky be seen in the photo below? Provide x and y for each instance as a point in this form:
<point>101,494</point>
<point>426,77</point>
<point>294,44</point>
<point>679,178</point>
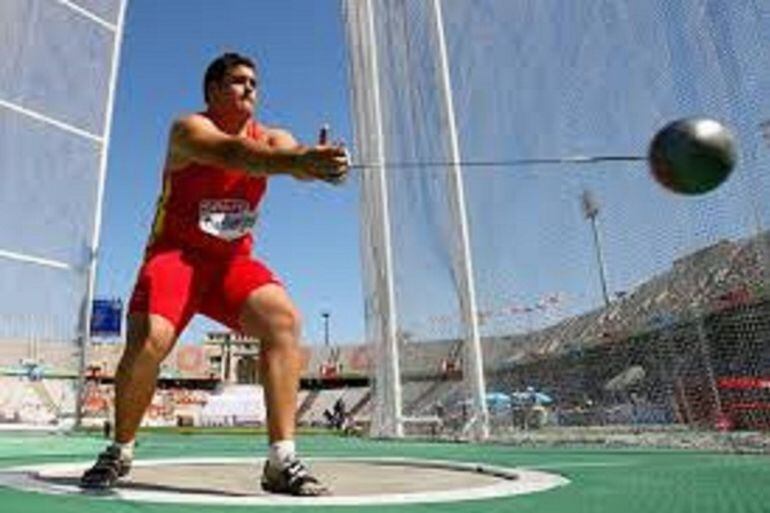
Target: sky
<point>308,233</point>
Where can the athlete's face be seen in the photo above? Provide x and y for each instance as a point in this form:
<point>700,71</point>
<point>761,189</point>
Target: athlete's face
<point>237,91</point>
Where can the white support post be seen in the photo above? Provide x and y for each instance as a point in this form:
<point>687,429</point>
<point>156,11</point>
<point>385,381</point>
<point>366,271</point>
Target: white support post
<point>388,372</point>
<point>473,363</point>
<point>85,336</point>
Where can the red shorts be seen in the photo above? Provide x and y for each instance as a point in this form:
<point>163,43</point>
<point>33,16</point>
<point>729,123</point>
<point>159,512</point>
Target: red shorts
<point>177,284</point>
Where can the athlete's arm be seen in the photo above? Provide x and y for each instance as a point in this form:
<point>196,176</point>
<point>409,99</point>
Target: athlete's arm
<point>280,139</point>
<point>195,138</point>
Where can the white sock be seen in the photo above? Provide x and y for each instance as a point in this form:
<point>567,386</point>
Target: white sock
<point>280,452</point>
<point>126,449</point>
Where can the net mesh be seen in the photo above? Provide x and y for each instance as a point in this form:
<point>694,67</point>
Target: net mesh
<point>54,90</point>
<point>670,328</point>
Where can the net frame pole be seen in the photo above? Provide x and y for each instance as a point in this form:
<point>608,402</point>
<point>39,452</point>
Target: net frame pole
<point>388,373</point>
<point>85,324</point>
<point>473,363</point>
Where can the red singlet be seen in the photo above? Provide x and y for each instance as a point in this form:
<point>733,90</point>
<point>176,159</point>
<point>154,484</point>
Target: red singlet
<point>208,209</point>
<point>198,256</point>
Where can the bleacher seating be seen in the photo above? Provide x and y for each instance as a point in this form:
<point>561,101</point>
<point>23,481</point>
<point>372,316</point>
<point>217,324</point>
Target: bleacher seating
<point>235,405</point>
<point>709,281</point>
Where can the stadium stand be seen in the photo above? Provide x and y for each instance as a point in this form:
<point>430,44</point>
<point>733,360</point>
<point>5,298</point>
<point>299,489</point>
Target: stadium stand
<point>695,330</point>
<point>236,405</point>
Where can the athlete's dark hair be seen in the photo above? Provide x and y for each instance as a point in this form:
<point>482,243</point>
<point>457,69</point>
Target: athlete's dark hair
<point>220,66</point>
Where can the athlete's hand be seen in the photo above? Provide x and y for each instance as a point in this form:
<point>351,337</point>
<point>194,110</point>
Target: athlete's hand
<point>324,161</point>
<point>329,163</point>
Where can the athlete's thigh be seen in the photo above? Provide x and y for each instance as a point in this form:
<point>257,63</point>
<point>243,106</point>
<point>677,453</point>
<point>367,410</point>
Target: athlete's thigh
<point>225,300</point>
<point>170,284</point>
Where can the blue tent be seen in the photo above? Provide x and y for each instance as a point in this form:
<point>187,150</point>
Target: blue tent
<point>531,396</point>
<point>498,400</point>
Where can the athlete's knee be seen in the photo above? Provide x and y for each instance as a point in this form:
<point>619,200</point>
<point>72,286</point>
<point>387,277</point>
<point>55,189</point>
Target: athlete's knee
<point>150,338</point>
<point>282,323</point>
<point>278,322</point>
<point>157,346</point>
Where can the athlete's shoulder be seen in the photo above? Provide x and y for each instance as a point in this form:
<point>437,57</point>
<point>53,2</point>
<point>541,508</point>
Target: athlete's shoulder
<point>278,137</point>
<point>271,130</point>
<point>191,121</point>
<point>185,131</point>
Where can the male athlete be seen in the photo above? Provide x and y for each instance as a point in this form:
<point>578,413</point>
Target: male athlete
<point>198,259</point>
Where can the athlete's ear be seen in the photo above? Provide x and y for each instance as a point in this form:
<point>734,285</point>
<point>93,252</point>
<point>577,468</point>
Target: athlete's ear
<point>212,89</point>
<point>209,92</point>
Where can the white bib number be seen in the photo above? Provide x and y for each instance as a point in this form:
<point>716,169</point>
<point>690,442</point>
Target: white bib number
<point>227,219</point>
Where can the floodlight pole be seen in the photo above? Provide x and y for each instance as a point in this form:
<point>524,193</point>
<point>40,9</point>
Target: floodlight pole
<point>591,212</point>
<point>473,362</point>
<point>326,314</point>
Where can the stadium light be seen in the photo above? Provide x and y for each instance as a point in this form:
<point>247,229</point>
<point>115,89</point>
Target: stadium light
<point>326,314</point>
<point>591,211</point>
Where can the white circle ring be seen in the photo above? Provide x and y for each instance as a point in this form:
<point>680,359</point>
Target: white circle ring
<point>511,481</point>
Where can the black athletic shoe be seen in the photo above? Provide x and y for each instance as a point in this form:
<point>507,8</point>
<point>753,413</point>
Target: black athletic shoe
<point>109,467</point>
<point>294,479</point>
